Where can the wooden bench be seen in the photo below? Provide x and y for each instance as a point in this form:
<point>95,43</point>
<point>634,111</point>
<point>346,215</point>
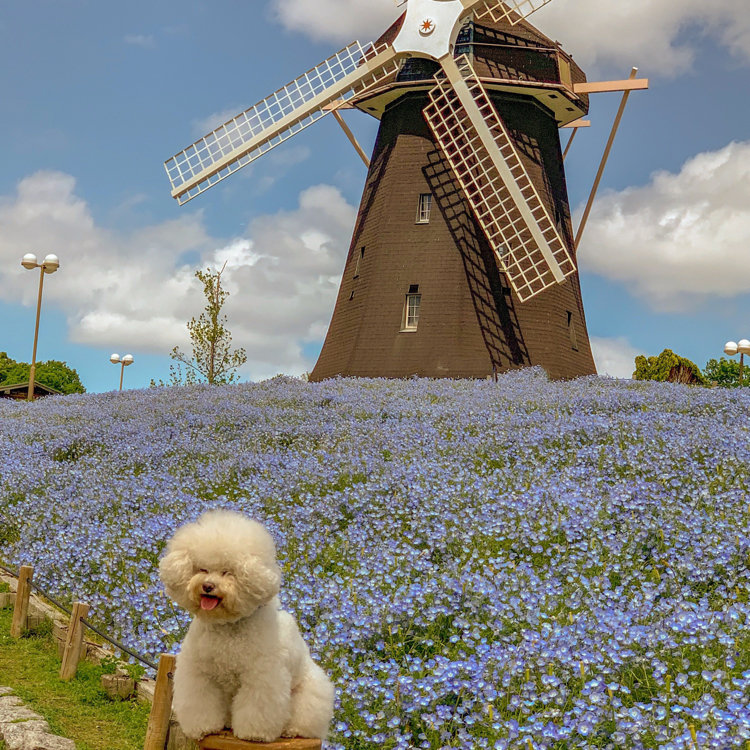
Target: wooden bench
<point>161,711</point>
<point>227,741</point>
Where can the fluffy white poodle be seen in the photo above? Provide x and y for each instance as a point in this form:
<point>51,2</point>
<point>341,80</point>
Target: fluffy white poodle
<point>243,663</point>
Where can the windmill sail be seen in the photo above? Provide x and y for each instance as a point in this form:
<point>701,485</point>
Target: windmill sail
<point>476,144</point>
<point>276,118</point>
<point>511,11</point>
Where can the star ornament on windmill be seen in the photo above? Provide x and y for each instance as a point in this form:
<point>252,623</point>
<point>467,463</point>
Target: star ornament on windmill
<point>427,26</point>
<point>463,258</point>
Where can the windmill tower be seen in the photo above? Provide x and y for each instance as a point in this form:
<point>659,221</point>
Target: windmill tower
<point>462,262</point>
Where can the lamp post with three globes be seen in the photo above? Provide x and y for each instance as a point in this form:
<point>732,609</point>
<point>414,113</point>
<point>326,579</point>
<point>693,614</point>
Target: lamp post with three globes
<point>125,361</point>
<point>743,347</point>
<point>49,265</point>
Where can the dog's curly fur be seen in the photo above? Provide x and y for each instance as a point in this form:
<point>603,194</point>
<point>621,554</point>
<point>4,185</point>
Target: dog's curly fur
<point>243,663</point>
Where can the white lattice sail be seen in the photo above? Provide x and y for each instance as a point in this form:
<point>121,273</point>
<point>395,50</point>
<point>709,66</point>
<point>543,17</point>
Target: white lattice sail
<point>277,117</point>
<point>488,168</point>
<point>511,11</point>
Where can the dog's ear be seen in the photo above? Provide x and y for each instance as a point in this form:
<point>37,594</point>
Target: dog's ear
<point>175,571</point>
<point>259,579</point>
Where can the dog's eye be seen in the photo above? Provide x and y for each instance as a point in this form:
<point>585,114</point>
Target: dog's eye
<point>202,570</point>
<point>225,572</point>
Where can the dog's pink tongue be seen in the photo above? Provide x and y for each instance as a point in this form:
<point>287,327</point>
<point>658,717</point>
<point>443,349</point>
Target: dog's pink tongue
<point>209,602</point>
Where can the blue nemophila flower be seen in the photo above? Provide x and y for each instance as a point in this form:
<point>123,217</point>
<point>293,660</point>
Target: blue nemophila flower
<point>476,564</point>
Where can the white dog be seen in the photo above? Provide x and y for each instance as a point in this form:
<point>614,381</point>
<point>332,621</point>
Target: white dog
<point>243,663</point>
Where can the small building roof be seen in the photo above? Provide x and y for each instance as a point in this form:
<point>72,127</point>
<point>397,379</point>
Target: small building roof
<point>19,390</point>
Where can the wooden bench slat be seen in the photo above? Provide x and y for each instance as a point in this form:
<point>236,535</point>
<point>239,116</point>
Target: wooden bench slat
<point>227,741</point>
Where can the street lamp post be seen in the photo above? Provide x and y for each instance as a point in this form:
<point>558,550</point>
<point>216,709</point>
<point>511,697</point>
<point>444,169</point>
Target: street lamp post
<point>125,361</point>
<point>49,265</point>
<point>743,347</point>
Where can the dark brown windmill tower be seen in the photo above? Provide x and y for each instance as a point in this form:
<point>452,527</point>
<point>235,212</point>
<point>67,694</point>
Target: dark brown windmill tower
<point>462,262</point>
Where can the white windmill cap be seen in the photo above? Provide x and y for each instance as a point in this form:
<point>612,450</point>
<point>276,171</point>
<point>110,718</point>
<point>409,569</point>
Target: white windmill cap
<point>730,348</point>
<point>29,261</point>
<point>743,346</point>
<point>127,360</point>
<point>114,358</point>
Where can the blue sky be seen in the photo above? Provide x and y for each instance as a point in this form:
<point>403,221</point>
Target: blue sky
<point>95,95</point>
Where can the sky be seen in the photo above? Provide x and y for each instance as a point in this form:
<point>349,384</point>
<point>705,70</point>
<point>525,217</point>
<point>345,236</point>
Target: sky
<point>95,95</point>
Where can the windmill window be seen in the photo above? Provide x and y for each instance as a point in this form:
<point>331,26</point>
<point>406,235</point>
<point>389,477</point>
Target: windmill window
<point>360,258</point>
<point>572,332</point>
<point>424,208</point>
<point>411,309</point>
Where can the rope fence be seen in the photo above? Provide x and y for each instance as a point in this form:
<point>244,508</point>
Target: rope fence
<point>120,646</point>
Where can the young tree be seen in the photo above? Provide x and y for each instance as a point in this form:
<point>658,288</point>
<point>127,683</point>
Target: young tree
<point>726,372</point>
<point>213,360</point>
<point>668,366</point>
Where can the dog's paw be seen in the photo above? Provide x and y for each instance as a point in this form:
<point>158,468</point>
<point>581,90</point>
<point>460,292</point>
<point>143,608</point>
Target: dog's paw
<point>194,731</point>
<point>256,731</point>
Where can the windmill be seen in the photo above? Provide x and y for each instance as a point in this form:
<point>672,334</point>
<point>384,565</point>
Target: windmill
<point>462,262</point>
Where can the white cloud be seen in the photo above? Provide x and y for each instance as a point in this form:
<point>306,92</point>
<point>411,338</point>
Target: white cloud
<point>614,357</point>
<point>128,290</point>
<point>681,238</point>
<point>645,33</point>
<point>140,40</point>
<point>339,21</point>
<point>283,297</point>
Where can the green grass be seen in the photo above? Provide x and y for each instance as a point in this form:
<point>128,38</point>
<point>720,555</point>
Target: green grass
<point>79,709</point>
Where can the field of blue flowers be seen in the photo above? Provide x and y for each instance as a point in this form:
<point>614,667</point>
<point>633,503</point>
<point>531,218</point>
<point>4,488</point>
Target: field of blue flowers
<point>520,564</point>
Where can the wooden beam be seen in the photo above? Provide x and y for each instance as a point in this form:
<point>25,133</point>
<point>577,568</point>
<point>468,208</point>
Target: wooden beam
<point>570,143</point>
<point>605,157</point>
<point>338,104</point>
<point>352,139</point>
<point>599,87</point>
<point>578,124</point>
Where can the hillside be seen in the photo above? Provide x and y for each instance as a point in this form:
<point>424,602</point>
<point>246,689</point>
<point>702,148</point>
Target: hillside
<point>494,565</point>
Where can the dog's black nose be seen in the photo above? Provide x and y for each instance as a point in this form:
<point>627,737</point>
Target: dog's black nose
<point>208,587</point>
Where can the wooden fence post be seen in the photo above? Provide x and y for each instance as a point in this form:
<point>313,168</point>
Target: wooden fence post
<point>21,610</point>
<point>73,641</point>
<point>161,708</point>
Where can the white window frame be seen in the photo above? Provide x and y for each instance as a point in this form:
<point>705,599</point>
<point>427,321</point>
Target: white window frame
<point>572,332</point>
<point>412,303</point>
<point>424,207</point>
<point>360,258</point>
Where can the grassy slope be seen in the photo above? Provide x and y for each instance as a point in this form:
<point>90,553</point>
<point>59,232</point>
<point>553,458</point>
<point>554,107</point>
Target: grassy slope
<point>77,709</point>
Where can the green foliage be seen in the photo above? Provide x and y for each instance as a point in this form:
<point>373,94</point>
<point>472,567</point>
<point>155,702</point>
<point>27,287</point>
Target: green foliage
<point>53,374</point>
<point>726,373</point>
<point>213,360</point>
<point>112,665</point>
<point>668,366</point>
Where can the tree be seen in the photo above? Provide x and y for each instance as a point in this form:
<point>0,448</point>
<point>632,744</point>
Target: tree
<point>53,374</point>
<point>213,360</point>
<point>668,366</point>
<point>725,372</point>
